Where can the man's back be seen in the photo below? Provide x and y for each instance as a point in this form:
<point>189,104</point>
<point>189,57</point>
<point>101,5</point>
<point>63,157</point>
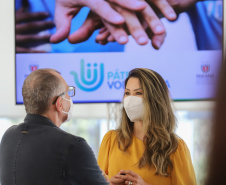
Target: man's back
<point>39,153</point>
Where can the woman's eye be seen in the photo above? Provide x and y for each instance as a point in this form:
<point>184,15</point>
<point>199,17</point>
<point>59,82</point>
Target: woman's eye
<point>126,93</point>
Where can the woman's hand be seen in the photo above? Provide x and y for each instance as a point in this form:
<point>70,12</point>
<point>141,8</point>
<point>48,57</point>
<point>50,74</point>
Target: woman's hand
<point>132,178</point>
<point>117,179</point>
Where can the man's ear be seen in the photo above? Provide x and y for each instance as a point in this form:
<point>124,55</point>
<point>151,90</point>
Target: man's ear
<point>59,105</point>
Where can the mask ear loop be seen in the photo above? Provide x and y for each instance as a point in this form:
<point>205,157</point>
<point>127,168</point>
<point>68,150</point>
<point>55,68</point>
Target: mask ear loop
<point>70,105</point>
<point>66,99</point>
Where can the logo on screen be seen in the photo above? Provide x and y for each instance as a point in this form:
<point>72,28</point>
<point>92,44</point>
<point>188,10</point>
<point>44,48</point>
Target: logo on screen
<point>91,76</point>
<point>205,78</point>
<point>33,67</point>
<point>205,68</point>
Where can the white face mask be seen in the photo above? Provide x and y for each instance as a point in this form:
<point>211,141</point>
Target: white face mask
<point>69,113</point>
<point>134,108</point>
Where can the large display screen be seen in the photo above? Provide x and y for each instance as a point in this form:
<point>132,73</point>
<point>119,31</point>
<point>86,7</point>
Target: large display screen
<point>188,60</point>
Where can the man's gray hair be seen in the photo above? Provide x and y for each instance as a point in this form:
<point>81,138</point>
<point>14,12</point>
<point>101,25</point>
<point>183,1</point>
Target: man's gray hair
<point>39,89</point>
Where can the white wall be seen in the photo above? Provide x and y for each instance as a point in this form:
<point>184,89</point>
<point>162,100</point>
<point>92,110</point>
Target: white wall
<point>7,76</point>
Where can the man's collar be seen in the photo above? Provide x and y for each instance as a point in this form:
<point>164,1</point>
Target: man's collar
<point>38,119</point>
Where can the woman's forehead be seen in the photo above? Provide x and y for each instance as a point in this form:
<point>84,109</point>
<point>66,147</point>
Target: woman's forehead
<point>133,83</point>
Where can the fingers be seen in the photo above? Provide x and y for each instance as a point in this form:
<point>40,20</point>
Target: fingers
<point>64,14</point>
<point>165,8</point>
<point>61,33</point>
<point>136,29</point>
<point>105,11</point>
<point>129,176</point>
<point>92,23</point>
<point>157,40</point>
<point>152,21</point>
<point>117,33</point>
<point>133,26</point>
<point>155,31</point>
<point>111,38</point>
<point>27,16</point>
<point>34,27</point>
<point>130,172</point>
<point>103,29</point>
<point>133,5</point>
<point>28,39</point>
<point>116,180</point>
<point>63,17</point>
<point>102,37</point>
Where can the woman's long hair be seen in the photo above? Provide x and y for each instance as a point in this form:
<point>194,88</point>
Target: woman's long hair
<point>159,123</point>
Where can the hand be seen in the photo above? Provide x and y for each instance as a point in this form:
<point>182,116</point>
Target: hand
<point>117,179</point>
<point>133,177</point>
<point>149,21</point>
<point>164,7</point>
<point>28,25</point>
<point>134,25</point>
<point>112,33</point>
<point>104,37</point>
<point>65,10</point>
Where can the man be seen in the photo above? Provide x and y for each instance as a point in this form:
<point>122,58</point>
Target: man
<point>38,152</point>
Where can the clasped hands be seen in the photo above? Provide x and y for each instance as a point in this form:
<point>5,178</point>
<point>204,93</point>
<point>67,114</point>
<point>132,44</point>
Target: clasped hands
<point>127,177</point>
<point>116,18</point>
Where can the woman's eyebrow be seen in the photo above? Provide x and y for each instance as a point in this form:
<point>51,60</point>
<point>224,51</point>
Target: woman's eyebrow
<point>134,89</point>
<point>137,89</point>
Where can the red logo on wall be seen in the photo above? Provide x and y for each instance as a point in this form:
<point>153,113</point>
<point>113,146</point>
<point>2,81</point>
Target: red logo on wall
<point>205,68</point>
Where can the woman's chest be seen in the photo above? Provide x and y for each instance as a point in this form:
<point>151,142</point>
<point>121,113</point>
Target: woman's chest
<point>129,160</point>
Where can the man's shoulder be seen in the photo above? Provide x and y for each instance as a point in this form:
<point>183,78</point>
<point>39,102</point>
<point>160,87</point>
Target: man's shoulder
<point>50,132</point>
<point>14,128</point>
<point>70,136</point>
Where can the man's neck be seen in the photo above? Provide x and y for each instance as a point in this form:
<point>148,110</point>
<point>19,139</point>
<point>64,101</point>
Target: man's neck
<point>53,117</point>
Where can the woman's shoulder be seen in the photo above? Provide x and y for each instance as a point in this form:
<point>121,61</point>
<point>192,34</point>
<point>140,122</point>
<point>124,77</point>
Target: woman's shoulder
<point>183,170</point>
<point>110,135</point>
<point>181,144</point>
<point>182,149</point>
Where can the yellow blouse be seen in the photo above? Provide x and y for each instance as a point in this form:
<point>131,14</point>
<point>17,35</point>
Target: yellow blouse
<point>111,160</point>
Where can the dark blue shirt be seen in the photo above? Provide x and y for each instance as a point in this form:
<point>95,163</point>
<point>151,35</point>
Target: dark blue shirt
<point>37,152</point>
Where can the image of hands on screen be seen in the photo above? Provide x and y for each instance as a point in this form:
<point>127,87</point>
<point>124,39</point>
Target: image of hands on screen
<point>148,20</point>
<point>104,26</point>
<point>102,14</point>
<point>28,27</point>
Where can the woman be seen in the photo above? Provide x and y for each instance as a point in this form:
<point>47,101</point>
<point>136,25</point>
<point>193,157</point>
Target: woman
<point>145,145</point>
